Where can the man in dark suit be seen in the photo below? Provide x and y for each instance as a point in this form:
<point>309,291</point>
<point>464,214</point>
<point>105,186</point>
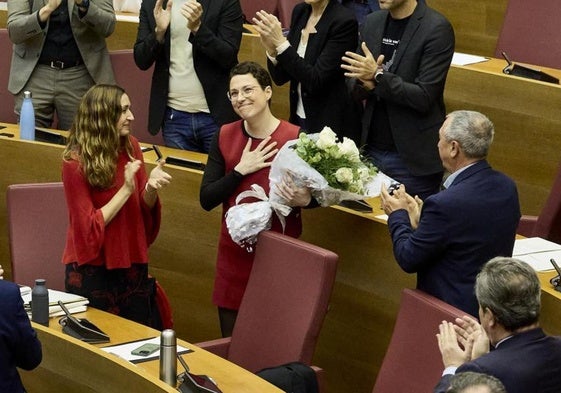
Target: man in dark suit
<point>193,44</point>
<point>447,239</point>
<point>524,358</point>
<point>19,345</point>
<point>403,88</point>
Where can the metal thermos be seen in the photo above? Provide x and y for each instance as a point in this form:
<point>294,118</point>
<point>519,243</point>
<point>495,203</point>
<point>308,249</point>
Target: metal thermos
<point>168,357</point>
<point>40,303</point>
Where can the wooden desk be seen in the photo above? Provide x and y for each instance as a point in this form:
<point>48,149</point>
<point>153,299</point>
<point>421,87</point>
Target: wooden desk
<point>69,365</point>
<point>527,121</point>
<point>366,294</point>
<point>550,317</point>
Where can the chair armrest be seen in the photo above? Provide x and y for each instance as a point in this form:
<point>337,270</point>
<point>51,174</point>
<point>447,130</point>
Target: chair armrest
<point>526,225</point>
<point>220,346</point>
<point>320,376</point>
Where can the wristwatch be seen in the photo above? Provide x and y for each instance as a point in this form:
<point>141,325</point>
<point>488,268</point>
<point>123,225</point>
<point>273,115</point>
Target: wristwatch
<point>377,75</point>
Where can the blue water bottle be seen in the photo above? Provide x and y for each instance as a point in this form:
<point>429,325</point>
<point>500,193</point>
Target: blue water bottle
<point>27,118</point>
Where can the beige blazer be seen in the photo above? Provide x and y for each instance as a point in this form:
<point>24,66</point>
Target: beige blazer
<point>89,33</point>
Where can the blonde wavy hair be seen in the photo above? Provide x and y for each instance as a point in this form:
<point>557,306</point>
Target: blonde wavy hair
<point>94,139</point>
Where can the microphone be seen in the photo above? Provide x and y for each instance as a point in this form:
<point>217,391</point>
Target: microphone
<point>556,281</point>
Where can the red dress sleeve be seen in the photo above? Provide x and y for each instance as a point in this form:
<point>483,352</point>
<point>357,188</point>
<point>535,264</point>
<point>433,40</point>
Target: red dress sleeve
<point>86,230</point>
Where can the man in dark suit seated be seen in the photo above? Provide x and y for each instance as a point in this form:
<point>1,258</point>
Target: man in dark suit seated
<point>522,357</point>
<point>19,345</point>
<point>460,228</point>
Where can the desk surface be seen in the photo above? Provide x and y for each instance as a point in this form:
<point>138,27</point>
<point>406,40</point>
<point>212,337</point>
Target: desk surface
<point>84,367</point>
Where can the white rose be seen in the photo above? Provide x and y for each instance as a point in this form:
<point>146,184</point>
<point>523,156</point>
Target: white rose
<point>344,175</point>
<point>349,149</point>
<point>364,174</point>
<point>327,138</point>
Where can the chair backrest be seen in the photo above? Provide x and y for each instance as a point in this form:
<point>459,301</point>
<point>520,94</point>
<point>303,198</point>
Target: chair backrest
<point>37,224</point>
<point>285,8</point>
<point>136,83</point>
<point>533,43</point>
<point>284,304</point>
<point>548,224</point>
<point>7,114</point>
<point>250,7</point>
<point>413,362</point>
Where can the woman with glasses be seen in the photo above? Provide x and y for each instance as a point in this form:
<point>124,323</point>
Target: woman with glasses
<point>240,155</point>
<point>309,57</point>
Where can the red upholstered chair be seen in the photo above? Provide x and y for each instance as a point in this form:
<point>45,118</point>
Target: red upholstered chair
<point>283,307</point>
<point>548,224</point>
<point>534,43</point>
<point>7,114</point>
<point>137,85</point>
<point>413,362</point>
<point>37,223</point>
<point>285,8</point>
<point>250,7</point>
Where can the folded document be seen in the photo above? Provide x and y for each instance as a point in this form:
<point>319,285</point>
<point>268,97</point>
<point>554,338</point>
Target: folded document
<point>74,303</point>
<point>537,252</point>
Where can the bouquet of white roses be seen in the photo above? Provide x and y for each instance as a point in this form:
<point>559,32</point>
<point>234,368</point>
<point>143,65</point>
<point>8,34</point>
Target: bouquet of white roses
<point>334,171</point>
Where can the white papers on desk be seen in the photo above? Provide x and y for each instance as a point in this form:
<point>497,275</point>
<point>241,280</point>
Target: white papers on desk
<point>462,59</point>
<point>74,303</point>
<point>537,252</point>
<point>383,217</point>
<point>124,350</point>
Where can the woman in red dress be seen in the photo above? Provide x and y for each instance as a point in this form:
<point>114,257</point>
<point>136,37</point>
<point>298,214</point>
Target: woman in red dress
<point>113,208</point>
<point>241,155</point>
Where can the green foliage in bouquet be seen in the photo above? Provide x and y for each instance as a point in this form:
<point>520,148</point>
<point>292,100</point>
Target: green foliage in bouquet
<point>340,163</point>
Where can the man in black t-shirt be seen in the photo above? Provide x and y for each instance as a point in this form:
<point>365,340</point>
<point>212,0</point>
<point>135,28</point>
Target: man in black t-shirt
<point>400,70</point>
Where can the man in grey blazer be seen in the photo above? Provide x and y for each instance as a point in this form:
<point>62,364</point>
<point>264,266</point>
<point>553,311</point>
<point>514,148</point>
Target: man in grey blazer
<point>59,53</point>
<point>400,70</point>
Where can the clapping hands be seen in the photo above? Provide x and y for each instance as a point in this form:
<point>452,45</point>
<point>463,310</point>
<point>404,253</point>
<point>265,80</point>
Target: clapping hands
<point>461,342</point>
<point>158,177</point>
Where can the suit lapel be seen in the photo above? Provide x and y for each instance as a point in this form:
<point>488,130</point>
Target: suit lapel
<point>316,40</point>
<point>377,35</point>
<point>408,34</point>
<point>205,4</point>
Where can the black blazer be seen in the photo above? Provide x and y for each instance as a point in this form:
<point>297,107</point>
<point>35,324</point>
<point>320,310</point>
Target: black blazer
<point>413,88</point>
<point>215,52</point>
<point>325,96</point>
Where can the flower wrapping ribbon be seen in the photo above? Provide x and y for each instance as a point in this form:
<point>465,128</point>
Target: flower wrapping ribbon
<point>246,220</point>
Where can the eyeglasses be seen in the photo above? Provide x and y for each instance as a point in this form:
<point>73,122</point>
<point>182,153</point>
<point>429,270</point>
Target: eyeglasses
<point>245,93</point>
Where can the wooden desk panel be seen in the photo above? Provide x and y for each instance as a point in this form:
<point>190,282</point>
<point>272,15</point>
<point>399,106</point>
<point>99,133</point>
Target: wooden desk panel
<point>70,365</point>
<point>527,121</point>
<point>368,285</point>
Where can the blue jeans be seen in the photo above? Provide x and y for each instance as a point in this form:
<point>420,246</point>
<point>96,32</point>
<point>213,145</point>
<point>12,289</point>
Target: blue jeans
<point>188,131</point>
<point>393,165</point>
